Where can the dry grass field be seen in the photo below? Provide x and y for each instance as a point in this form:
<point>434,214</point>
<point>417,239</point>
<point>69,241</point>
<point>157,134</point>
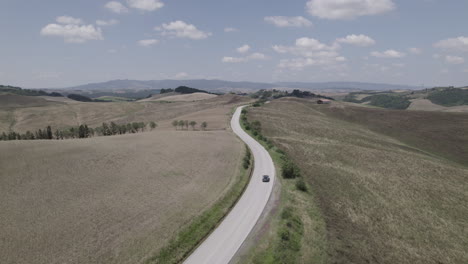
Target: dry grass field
<point>108,199</point>
<point>112,199</point>
<point>427,105</point>
<point>392,186</point>
<point>22,113</point>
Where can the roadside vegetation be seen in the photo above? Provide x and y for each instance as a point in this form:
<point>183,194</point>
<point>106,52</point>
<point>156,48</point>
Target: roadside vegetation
<point>297,229</point>
<point>199,228</point>
<point>380,186</point>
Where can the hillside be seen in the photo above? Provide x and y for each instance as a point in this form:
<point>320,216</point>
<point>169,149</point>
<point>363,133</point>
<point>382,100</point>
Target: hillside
<point>390,186</point>
<point>37,114</point>
<point>112,199</point>
<point>227,86</point>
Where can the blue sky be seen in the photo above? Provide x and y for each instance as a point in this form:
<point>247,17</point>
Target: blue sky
<point>59,43</point>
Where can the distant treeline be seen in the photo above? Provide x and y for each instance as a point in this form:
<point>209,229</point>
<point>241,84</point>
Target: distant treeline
<point>382,99</point>
<point>183,90</point>
<point>275,94</point>
<point>81,131</point>
<point>27,92</point>
<point>449,97</point>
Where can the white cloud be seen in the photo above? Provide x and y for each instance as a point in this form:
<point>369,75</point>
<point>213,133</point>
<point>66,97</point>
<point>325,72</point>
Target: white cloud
<point>358,40</point>
<point>436,56</point>
<point>348,9</point>
<point>148,42</point>
<point>181,75</point>
<point>116,7</point>
<point>68,20</point>
<point>283,21</point>
<point>465,70</point>
<point>243,49</point>
<point>312,53</point>
<point>233,59</point>
<point>73,33</point>
<point>180,29</point>
<point>256,56</point>
<point>455,44</point>
<point>107,22</point>
<point>388,54</point>
<point>307,47</point>
<point>253,56</point>
<point>454,59</point>
<point>146,5</point>
<point>416,51</point>
<point>230,29</point>
<point>112,51</point>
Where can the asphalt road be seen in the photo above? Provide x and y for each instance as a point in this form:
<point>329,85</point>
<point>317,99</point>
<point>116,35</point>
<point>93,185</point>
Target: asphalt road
<point>227,238</point>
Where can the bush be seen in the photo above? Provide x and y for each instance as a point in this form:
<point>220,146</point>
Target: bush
<point>301,185</point>
<point>290,170</point>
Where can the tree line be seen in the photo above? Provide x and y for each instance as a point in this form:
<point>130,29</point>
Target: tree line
<point>181,124</point>
<point>81,131</point>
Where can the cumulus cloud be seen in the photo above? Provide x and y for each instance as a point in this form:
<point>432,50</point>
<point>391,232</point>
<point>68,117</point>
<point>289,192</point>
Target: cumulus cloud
<point>72,30</point>
<point>283,21</point>
<point>388,54</point>
<point>148,42</point>
<point>416,51</point>
<point>311,52</point>
<point>116,7</point>
<point>243,49</point>
<point>348,9</point>
<point>107,22</point>
<point>180,29</point>
<point>69,20</point>
<point>455,44</point>
<point>253,56</point>
<point>146,5</point>
<point>357,40</point>
<point>230,29</point>
<point>454,59</point>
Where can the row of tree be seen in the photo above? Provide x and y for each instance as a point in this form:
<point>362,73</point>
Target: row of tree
<point>81,131</point>
<point>181,124</point>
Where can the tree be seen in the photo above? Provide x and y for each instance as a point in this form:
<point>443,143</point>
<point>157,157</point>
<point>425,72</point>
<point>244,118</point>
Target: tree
<point>114,128</point>
<point>193,124</point>
<point>105,129</point>
<point>81,131</point>
<point>49,133</point>
<point>181,124</point>
<point>153,125</point>
<point>186,123</point>
<point>175,123</point>
<point>204,125</point>
<point>57,134</point>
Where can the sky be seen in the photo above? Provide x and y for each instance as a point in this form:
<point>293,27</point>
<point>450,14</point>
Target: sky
<point>62,43</point>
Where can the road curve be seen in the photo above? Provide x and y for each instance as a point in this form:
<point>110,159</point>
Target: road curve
<point>227,238</point>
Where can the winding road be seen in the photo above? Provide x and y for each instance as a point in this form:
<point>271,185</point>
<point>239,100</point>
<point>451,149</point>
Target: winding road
<point>227,238</point>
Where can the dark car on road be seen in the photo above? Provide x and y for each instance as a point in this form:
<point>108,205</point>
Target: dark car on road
<point>265,178</point>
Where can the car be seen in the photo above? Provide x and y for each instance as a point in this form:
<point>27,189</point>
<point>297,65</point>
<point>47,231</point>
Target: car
<point>265,178</point>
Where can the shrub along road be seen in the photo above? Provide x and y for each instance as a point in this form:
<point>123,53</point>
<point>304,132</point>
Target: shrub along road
<point>227,238</point>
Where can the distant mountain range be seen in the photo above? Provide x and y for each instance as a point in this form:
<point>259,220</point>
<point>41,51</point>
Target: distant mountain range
<point>228,86</point>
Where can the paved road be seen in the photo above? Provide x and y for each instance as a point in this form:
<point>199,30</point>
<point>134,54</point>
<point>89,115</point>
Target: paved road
<point>225,240</point>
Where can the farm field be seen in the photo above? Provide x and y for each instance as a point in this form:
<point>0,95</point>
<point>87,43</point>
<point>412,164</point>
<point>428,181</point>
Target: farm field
<point>391,185</point>
<point>109,199</point>
<point>22,113</point>
<point>427,105</point>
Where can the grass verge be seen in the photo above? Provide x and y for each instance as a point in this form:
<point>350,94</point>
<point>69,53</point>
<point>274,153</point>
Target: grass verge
<point>192,235</point>
<point>297,232</point>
